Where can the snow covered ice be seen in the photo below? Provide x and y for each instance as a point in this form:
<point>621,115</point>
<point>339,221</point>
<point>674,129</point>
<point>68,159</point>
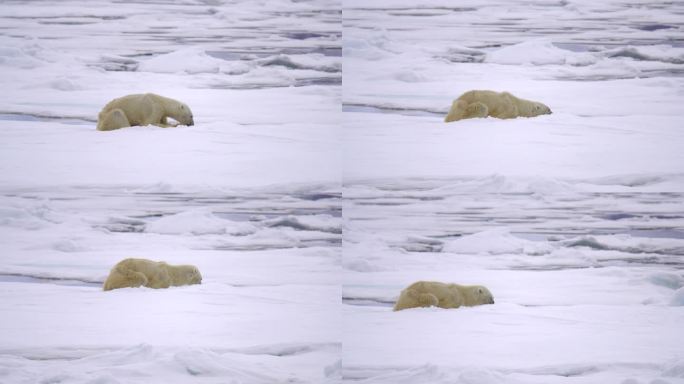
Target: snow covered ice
<point>250,194</point>
<point>308,202</point>
<point>574,220</point>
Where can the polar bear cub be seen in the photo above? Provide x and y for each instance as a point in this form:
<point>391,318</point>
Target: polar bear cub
<point>143,109</point>
<point>443,295</point>
<point>152,274</point>
<point>501,105</point>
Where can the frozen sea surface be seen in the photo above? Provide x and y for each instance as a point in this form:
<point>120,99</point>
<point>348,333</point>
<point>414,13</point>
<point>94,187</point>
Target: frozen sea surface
<point>263,81</point>
<point>588,285</point>
<point>267,310</point>
<point>610,72</point>
<point>250,193</point>
<point>573,220</point>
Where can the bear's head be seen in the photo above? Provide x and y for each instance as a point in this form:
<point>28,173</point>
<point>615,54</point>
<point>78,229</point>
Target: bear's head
<point>194,276</point>
<point>540,109</point>
<point>182,114</point>
<point>185,274</point>
<point>481,295</point>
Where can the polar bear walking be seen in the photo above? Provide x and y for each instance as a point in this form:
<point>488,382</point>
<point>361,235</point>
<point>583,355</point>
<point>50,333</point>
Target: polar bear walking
<point>133,273</point>
<point>143,109</point>
<point>443,295</point>
<point>501,105</point>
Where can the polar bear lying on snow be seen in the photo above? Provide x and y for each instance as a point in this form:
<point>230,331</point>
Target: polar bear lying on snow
<point>433,293</point>
<point>501,105</point>
<point>152,274</point>
<point>143,109</point>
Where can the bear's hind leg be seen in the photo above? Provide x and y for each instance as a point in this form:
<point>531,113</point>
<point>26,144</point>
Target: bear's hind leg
<point>417,299</point>
<point>476,109</point>
<point>115,119</point>
<point>428,300</point>
<point>457,111</point>
<point>125,279</point>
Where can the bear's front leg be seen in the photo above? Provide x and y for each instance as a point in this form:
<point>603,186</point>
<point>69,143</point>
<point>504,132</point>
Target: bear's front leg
<point>164,123</point>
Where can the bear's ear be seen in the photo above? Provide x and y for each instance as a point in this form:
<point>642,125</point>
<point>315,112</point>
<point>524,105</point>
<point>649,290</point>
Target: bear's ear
<point>480,291</point>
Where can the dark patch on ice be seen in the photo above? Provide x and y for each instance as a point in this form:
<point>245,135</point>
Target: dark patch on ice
<point>593,243</point>
<point>563,371</point>
<point>367,301</point>
<point>55,19</point>
<point>360,107</point>
<point>421,244</point>
<point>463,57</point>
<point>124,225</point>
<point>416,9</point>
<point>295,222</point>
<point>264,52</point>
<point>618,216</point>
<point>576,47</point>
<point>653,27</point>
<point>315,196</point>
<point>420,248</point>
<point>548,267</point>
<point>149,216</point>
<point>301,82</point>
<point>23,116</point>
<point>283,350</point>
<point>117,64</point>
<point>332,80</point>
<point>330,242</point>
<point>634,53</point>
<point>305,35</point>
<point>26,278</point>
<point>384,203</point>
<point>246,216</point>
<point>660,233</point>
<point>287,62</point>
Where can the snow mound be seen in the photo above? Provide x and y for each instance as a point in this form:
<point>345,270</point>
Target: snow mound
<point>677,299</point>
<point>375,47</point>
<point>360,265</point>
<point>189,61</point>
<point>506,184</point>
<point>31,217</point>
<point>22,58</point>
<point>540,52</point>
<point>496,242</point>
<point>198,222</point>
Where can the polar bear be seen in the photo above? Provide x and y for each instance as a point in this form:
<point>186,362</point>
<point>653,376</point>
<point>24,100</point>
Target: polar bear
<point>436,294</point>
<point>152,274</point>
<point>143,109</point>
<point>501,105</point>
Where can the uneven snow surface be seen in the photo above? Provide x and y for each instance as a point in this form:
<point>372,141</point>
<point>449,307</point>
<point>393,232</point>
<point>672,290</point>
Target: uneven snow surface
<point>309,203</point>
<point>574,220</point>
<point>250,194</point>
